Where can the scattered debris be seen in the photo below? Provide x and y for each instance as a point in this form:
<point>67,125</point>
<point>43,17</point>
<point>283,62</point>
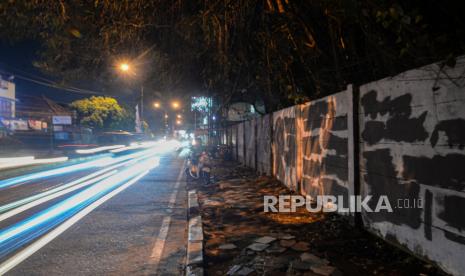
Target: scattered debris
<point>301,246</point>
<point>299,243</point>
<point>325,270</point>
<point>307,257</point>
<point>287,237</point>
<point>265,240</point>
<point>233,270</point>
<point>227,246</point>
<point>287,243</point>
<point>258,246</point>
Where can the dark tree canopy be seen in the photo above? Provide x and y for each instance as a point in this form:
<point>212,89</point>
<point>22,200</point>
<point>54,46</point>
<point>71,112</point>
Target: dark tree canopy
<point>276,51</point>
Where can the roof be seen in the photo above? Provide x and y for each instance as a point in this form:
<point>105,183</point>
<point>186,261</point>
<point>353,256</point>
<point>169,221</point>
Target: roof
<point>34,106</point>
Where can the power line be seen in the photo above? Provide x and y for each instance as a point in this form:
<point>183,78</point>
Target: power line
<point>53,84</point>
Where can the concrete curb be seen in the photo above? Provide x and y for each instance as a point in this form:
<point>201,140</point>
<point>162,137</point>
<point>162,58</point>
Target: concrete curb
<point>194,259</point>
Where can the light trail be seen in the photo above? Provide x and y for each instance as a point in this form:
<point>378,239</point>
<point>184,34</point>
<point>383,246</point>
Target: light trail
<point>99,149</point>
<point>89,179</point>
<point>34,247</point>
<point>54,195</point>
<point>21,162</point>
<point>16,159</point>
<point>54,172</point>
<point>158,147</point>
<point>22,232</point>
<point>119,172</point>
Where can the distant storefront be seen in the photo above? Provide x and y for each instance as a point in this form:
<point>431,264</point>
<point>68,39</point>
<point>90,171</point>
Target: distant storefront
<point>7,97</point>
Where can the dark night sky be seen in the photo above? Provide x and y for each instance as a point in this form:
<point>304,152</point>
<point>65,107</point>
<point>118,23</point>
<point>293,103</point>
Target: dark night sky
<point>17,59</point>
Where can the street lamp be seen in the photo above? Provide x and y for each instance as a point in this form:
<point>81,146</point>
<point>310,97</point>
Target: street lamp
<point>125,68</point>
<point>179,116</point>
<point>175,104</point>
<point>156,104</point>
<point>178,122</point>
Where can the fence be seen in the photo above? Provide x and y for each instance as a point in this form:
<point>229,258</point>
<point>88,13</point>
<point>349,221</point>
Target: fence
<point>403,137</point>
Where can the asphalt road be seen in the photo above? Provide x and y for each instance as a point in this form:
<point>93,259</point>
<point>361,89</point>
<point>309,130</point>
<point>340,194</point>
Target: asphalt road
<point>135,227</point>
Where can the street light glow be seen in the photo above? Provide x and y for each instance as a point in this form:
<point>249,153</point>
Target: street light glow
<point>175,104</point>
<point>124,67</point>
<point>156,104</point>
<point>179,116</point>
<point>178,122</point>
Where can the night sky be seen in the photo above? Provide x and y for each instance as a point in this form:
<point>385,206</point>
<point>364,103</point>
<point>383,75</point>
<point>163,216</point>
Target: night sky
<point>17,59</point>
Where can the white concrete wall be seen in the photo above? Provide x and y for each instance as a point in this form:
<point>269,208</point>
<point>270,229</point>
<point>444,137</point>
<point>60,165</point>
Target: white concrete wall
<point>324,143</point>
<point>412,133</point>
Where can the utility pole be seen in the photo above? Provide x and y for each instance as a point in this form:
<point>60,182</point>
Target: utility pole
<point>142,103</point>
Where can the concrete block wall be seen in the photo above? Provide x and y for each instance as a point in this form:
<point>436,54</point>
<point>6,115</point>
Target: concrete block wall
<point>402,137</point>
<point>240,143</point>
<point>249,140</point>
<point>324,132</point>
<point>284,146</point>
<point>263,135</point>
<point>412,134</point>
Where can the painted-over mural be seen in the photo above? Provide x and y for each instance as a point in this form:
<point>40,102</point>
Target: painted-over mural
<point>285,146</point>
<point>325,146</point>
<point>412,150</point>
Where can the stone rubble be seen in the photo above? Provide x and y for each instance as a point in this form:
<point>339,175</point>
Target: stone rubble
<point>240,239</point>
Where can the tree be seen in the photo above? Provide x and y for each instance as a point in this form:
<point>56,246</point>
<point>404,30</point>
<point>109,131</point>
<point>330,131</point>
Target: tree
<point>279,52</point>
<point>103,113</point>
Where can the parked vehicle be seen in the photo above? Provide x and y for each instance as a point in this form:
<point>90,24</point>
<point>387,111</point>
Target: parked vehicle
<point>198,166</point>
<point>116,138</point>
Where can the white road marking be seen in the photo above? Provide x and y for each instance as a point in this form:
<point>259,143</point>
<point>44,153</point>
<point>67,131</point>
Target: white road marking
<point>41,242</point>
<point>159,245</point>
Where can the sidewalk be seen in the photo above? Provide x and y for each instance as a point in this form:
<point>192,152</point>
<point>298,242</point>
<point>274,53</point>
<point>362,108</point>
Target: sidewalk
<point>240,239</point>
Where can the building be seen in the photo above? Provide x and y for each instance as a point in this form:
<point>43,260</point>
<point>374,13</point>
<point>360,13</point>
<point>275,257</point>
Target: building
<point>7,97</point>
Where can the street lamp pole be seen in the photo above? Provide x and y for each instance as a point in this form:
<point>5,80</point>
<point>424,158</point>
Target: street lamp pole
<point>142,103</point>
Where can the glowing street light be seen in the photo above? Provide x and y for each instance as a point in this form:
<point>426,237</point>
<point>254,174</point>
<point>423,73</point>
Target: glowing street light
<point>179,116</point>
<point>156,104</point>
<point>178,122</point>
<point>124,67</point>
<point>175,104</point>
<point>166,116</point>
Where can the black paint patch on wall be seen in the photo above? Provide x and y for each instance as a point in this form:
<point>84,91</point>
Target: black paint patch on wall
<point>441,171</point>
<point>453,213</point>
<point>399,105</point>
<point>331,187</point>
<point>337,165</point>
<point>379,168</point>
<point>311,145</point>
<point>428,214</point>
<point>454,130</point>
<point>339,123</point>
<point>311,168</point>
<point>454,237</point>
<point>285,145</point>
<point>320,114</point>
<point>399,126</point>
<point>314,114</point>
<point>333,142</point>
<point>373,132</point>
<point>326,186</point>
<point>330,165</point>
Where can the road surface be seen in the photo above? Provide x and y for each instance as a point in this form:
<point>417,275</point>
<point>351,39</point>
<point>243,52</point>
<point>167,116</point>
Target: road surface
<point>121,215</point>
